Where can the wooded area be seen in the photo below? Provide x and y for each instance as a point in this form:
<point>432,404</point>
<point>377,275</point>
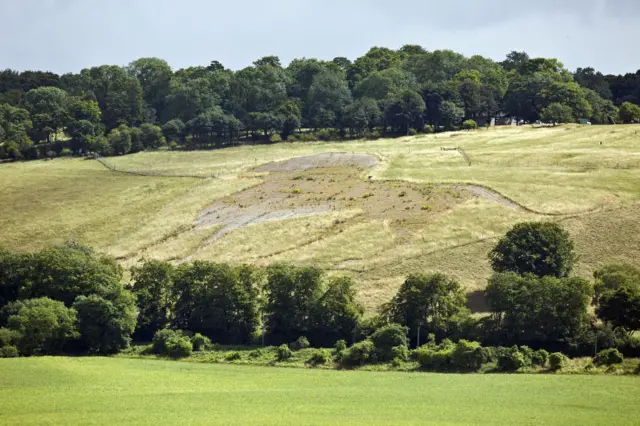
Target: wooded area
<point>113,110</point>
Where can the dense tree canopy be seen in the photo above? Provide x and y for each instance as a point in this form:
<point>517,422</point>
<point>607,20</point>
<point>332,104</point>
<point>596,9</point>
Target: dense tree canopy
<point>540,248</point>
<point>392,90</point>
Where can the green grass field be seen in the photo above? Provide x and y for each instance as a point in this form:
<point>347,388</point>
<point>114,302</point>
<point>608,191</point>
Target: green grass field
<point>43,391</point>
<point>587,177</point>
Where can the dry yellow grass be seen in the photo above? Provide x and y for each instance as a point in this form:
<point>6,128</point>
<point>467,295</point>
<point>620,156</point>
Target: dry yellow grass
<point>552,170</point>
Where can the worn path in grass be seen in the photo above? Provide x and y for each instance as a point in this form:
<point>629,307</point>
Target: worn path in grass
<point>50,391</point>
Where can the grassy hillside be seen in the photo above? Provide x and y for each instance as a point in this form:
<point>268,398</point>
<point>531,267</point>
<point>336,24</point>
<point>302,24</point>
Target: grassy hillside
<point>121,391</point>
<point>420,208</point>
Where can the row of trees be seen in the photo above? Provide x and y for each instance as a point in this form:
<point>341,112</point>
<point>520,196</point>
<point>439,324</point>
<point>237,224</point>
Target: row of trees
<point>68,298</point>
<point>395,90</point>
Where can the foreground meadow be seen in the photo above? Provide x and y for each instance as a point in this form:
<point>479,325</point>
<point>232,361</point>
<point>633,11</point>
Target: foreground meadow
<point>123,391</point>
<point>419,209</point>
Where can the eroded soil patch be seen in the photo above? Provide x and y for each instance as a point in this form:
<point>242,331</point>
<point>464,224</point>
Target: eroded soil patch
<point>287,195</point>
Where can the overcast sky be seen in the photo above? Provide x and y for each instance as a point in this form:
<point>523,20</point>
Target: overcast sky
<point>68,35</point>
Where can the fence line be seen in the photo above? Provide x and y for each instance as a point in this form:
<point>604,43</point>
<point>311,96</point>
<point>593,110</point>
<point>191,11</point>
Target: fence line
<point>114,168</point>
<point>464,154</point>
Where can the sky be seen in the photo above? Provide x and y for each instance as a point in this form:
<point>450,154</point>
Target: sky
<point>69,35</point>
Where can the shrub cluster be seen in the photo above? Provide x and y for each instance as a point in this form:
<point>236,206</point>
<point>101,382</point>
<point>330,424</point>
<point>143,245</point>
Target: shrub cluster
<point>172,343</point>
<point>64,298</point>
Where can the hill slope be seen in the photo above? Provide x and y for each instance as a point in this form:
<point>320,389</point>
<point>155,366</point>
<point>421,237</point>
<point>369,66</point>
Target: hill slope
<point>406,206</point>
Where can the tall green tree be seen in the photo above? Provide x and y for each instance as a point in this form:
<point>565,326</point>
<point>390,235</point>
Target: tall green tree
<point>532,310</point>
<point>43,326</point>
<point>432,303</point>
<point>540,248</point>
<point>153,289</point>
<point>106,322</point>
<point>118,94</point>
<point>335,315</point>
<point>155,76</point>
<point>290,296</point>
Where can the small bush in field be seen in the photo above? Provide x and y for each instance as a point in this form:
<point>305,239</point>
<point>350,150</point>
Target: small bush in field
<point>557,361</point>
<point>200,342</point>
<point>283,353</point>
<point>428,129</point>
<point>413,132</point>
<point>540,358</point>
<point>178,347</point>
<point>319,357</point>
<point>386,338</point>
<point>468,355</point>
<point>609,357</point>
<point>171,343</point>
<point>434,359</point>
<point>160,340</point>
<point>301,343</point>
<point>341,346</point>
<point>512,359</point>
<point>275,138</point>
<point>470,125</point>
<point>8,351</point>
<point>233,356</point>
<point>400,353</point>
<point>359,354</point>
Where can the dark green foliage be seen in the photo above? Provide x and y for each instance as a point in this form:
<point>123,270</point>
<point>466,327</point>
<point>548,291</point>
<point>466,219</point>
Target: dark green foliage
<point>8,351</point>
<point>283,353</point>
<point>178,347</point>
<point>608,357</point>
<point>160,339</point>
<point>106,323</point>
<point>613,277</point>
<point>341,346</point>
<point>557,113</point>
<point>335,314</point>
<point>621,308</point>
<point>435,303</point>
<point>234,356</point>
<point>400,353</point>
<point>301,343</point>
<point>540,248</point>
<point>512,359</point>
<point>359,354</point>
<point>60,273</point>
<point>386,339</point>
<point>8,337</point>
<point>319,357</point>
<point>200,342</point>
<point>468,355</point>
<point>557,361</point>
<point>171,343</point>
<point>531,309</point>
<point>393,89</point>
<point>291,294</point>
<point>470,125</point>
<point>217,300</point>
<point>434,358</point>
<point>367,326</point>
<point>152,286</point>
<point>256,353</point>
<point>540,358</point>
<point>40,326</point>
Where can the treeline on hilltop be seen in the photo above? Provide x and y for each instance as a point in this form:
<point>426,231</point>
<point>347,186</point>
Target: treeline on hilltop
<point>69,299</point>
<point>113,110</point>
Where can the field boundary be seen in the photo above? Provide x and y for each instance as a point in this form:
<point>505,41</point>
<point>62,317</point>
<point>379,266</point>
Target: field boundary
<point>464,154</point>
<point>114,168</point>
